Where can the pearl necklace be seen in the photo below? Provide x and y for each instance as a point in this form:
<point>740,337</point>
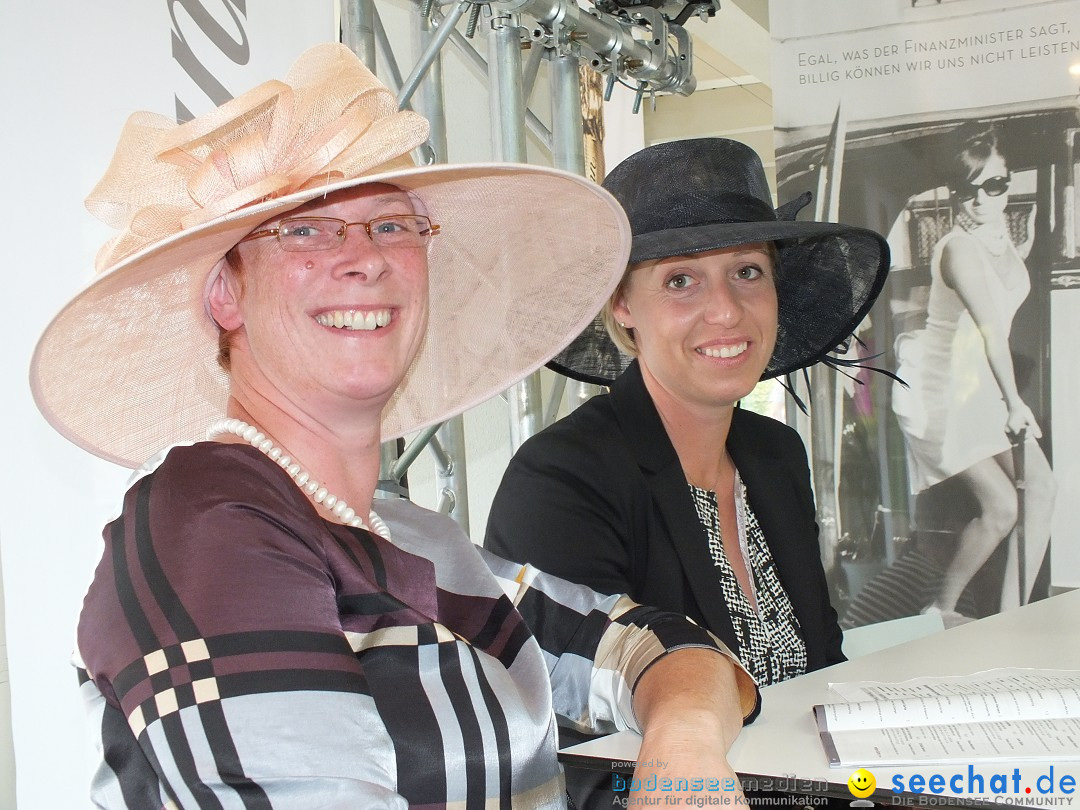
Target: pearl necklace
<point>318,493</point>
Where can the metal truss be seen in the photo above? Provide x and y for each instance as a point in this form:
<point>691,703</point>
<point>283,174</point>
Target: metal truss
<point>640,44</point>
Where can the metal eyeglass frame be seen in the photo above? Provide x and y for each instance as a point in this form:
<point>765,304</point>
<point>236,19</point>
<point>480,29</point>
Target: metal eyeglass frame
<point>342,231</point>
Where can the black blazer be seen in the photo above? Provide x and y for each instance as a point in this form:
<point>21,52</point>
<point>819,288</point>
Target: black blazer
<point>600,498</point>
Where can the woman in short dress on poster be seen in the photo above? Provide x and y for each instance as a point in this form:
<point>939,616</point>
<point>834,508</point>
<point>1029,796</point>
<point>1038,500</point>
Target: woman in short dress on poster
<point>962,412</point>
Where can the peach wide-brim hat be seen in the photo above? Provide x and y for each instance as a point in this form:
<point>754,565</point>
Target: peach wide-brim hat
<point>525,257</point>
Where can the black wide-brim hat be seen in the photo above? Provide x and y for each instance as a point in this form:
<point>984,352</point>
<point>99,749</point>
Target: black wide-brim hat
<point>702,194</point>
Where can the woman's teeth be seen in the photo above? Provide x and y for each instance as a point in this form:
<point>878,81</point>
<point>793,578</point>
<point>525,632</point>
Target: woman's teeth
<point>724,351</point>
<point>352,319</point>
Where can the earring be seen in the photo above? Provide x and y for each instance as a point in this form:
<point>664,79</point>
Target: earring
<point>623,325</point>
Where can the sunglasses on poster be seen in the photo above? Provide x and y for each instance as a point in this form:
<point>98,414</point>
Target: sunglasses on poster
<point>991,187</point>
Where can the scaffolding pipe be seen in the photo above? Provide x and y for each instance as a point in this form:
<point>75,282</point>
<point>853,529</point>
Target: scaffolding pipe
<point>448,444</point>
<point>506,94</point>
<point>412,451</point>
<point>446,26</point>
<point>386,53</point>
<point>443,462</point>
<point>532,67</point>
<point>507,104</point>
<point>551,411</point>
<point>429,95</point>
<point>480,68</point>
<point>357,30</point>
<point>526,416</point>
<point>388,486</point>
<point>578,393</point>
<point>568,139</point>
<point>451,475</point>
<point>567,132</point>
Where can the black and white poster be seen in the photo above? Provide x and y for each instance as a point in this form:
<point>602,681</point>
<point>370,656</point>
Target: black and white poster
<point>951,127</point>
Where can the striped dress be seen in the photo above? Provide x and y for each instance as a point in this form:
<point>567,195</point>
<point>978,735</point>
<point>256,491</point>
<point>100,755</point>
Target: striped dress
<point>237,651</point>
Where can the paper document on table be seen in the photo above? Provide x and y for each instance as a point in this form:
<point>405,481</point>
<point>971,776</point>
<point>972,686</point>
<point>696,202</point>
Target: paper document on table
<point>1005,714</point>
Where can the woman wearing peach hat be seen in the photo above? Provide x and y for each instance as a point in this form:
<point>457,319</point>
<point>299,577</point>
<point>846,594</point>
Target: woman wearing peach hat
<point>283,294</point>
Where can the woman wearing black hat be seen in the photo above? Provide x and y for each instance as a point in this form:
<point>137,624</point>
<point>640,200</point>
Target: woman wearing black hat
<point>663,488</point>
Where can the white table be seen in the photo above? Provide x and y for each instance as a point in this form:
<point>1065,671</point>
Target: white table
<point>783,744</point>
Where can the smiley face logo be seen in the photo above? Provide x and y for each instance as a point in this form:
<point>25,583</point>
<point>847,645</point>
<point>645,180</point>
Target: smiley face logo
<point>861,783</point>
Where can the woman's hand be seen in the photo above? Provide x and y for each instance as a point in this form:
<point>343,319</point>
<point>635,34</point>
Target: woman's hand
<point>691,704</point>
<point>1021,418</point>
<point>675,766</point>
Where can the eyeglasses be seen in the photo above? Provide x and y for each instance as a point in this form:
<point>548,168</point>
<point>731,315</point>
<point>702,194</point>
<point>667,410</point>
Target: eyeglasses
<point>298,234</point>
<point>991,187</point>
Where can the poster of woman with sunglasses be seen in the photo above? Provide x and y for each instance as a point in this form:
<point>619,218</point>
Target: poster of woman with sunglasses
<point>961,411</point>
<point>954,128</point>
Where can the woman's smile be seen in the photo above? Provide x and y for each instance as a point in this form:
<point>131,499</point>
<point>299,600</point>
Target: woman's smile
<point>725,351</point>
<point>354,319</point>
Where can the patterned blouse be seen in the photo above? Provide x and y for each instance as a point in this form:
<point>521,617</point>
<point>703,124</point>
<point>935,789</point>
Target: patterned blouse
<point>770,639</point>
<point>239,651</point>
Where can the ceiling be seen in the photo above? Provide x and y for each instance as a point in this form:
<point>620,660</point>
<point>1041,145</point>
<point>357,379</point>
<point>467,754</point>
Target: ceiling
<point>734,84</point>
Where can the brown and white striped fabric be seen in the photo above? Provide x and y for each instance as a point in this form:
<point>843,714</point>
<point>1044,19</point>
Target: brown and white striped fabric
<point>237,651</point>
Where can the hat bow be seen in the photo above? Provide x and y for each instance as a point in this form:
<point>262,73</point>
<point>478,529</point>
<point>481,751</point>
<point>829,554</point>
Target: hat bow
<point>327,121</point>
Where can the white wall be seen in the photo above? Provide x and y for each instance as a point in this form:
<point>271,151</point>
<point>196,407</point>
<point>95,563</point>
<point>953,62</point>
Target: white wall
<point>73,71</point>
<point>7,747</point>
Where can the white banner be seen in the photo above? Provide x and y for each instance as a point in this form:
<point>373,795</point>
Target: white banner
<point>73,72</point>
<point>898,59</point>
<point>930,121</point>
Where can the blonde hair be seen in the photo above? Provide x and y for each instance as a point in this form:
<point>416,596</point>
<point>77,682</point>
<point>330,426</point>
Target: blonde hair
<point>623,336</point>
